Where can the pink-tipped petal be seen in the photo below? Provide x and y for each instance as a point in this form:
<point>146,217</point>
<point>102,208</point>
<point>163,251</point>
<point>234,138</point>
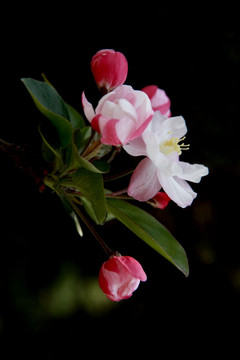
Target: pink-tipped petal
<point>109,134</point>
<point>120,276</point>
<point>159,99</point>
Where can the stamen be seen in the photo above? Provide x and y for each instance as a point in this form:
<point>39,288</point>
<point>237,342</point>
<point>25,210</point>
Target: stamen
<point>169,146</point>
<point>183,146</point>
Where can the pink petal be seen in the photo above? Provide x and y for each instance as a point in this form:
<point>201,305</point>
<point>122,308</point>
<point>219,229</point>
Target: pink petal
<point>159,100</point>
<point>95,123</point>
<point>144,183</point>
<point>124,127</point>
<point>133,267</point>
<point>141,128</point>
<point>109,134</point>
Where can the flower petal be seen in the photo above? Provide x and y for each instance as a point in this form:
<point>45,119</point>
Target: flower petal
<point>157,121</point>
<point>125,291</point>
<point>133,267</point>
<point>124,128</point>
<point>109,134</point>
<point>177,189</point>
<point>192,172</point>
<point>124,108</point>
<point>136,147</point>
<point>144,183</point>
<point>172,127</point>
<point>87,108</point>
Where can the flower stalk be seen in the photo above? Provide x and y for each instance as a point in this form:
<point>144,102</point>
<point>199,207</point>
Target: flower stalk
<point>101,242</point>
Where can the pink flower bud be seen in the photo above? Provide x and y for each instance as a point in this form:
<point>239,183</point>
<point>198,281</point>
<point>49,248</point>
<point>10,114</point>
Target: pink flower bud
<point>120,276</point>
<point>161,200</point>
<point>159,100</point>
<point>109,69</point>
<point>121,115</point>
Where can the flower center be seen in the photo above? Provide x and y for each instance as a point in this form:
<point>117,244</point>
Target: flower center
<point>169,146</point>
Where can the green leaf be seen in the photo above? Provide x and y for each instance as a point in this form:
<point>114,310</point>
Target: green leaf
<point>72,214</point>
<point>89,209</point>
<point>91,187</point>
<point>81,137</point>
<point>76,119</point>
<point>147,228</point>
<point>49,153</point>
<point>50,103</point>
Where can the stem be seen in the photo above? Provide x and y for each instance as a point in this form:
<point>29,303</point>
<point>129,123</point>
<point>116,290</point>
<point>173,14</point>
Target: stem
<point>93,152</point>
<point>114,153</point>
<point>119,197</point>
<point>116,193</point>
<point>91,228</point>
<point>117,176</point>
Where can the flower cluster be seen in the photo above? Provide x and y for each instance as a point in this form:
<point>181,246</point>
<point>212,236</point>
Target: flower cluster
<point>140,123</point>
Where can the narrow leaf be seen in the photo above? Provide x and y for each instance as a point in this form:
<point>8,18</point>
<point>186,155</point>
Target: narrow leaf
<point>91,187</point>
<point>147,228</point>
<point>72,214</point>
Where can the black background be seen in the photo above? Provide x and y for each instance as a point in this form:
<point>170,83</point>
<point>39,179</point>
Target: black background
<point>194,55</point>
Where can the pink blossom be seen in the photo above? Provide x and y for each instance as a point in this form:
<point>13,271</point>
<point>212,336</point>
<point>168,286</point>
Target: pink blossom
<point>120,276</point>
<point>161,200</point>
<point>159,100</point>
<point>120,116</point>
<point>109,69</point>
<point>161,144</point>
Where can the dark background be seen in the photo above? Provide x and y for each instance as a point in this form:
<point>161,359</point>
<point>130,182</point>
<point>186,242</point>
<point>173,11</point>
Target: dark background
<point>48,275</point>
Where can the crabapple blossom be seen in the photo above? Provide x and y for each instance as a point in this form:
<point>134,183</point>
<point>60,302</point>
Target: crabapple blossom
<point>120,276</point>
<point>159,99</point>
<point>120,116</point>
<point>109,69</point>
<point>161,144</point>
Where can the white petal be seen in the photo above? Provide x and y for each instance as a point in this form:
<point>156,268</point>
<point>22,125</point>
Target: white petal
<point>192,172</point>
<point>136,147</point>
<point>152,145</point>
<point>177,189</point>
<point>107,109</point>
<point>172,127</point>
<point>124,108</point>
<point>156,122</point>
<point>108,97</point>
<point>87,108</point>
